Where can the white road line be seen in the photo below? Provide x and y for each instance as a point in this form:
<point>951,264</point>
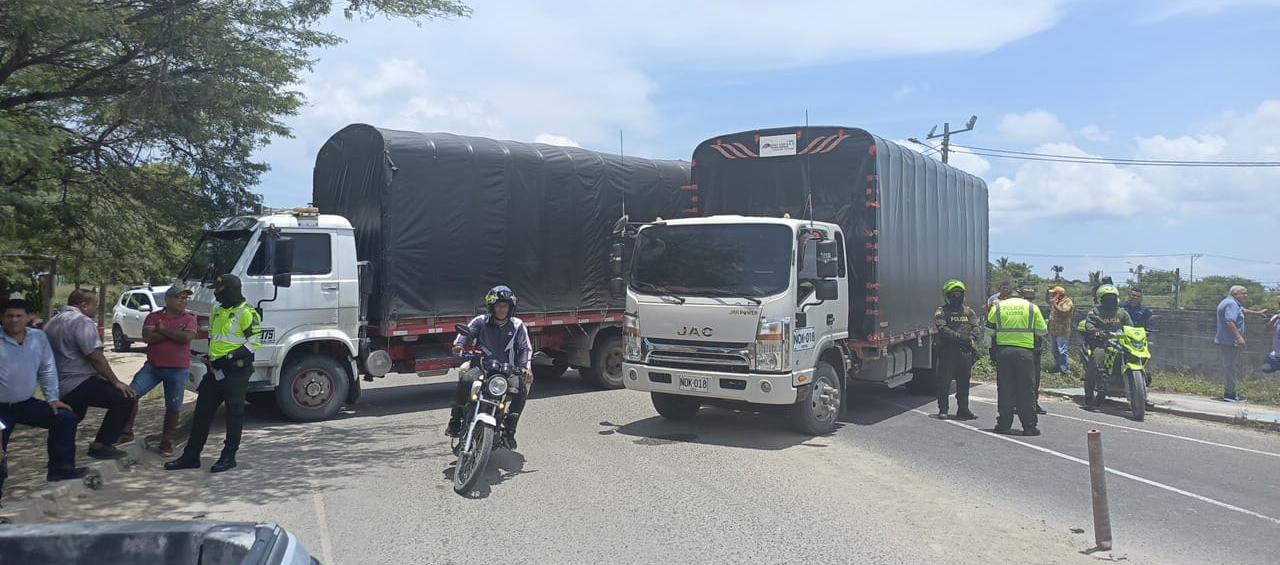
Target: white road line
<point>326,547</point>
<point>993,402</point>
<point>1116,472</point>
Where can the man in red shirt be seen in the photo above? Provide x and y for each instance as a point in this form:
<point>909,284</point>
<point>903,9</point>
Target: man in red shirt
<point>168,334</point>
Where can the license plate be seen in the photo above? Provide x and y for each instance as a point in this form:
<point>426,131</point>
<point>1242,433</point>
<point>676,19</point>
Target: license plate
<point>695,384</point>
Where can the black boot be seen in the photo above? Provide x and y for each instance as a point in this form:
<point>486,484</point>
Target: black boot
<point>183,462</point>
<point>226,462</point>
<point>454,429</point>
<point>964,414</point>
<point>509,430</point>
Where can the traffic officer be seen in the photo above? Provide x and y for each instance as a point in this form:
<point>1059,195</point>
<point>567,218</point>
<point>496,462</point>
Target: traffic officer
<point>235,330</point>
<point>958,335</point>
<point>1016,322</point>
<point>1029,294</point>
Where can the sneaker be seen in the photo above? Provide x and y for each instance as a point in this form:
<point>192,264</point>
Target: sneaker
<point>1236,398</point>
<point>107,452</point>
<point>55,475</point>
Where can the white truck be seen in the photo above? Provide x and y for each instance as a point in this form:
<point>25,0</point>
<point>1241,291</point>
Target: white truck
<point>738,303</point>
<point>408,232</point>
<point>732,309</point>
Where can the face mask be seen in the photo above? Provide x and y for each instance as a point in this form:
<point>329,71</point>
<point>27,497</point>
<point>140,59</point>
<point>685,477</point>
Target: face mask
<point>1110,302</point>
<point>955,299</point>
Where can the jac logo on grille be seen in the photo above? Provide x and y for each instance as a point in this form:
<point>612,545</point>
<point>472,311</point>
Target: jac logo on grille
<point>693,331</point>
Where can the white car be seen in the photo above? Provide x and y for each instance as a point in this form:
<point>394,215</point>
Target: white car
<point>130,311</point>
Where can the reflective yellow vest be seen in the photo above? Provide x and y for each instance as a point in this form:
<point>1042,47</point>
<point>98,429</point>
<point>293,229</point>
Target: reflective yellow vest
<point>1016,322</point>
<point>230,328</point>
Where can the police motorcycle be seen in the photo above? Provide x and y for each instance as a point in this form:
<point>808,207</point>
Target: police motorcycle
<point>492,383</point>
<point>1125,355</point>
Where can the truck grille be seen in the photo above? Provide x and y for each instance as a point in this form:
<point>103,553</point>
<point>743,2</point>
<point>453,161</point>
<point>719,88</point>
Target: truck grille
<point>698,355</point>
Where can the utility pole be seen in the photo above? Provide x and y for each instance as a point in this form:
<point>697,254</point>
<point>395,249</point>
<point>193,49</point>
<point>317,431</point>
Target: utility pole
<point>946,134</point>
<point>1194,256</point>
<point>1177,288</point>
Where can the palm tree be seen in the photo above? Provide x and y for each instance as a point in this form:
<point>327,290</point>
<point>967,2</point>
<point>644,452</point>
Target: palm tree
<point>1002,263</point>
<point>1057,273</point>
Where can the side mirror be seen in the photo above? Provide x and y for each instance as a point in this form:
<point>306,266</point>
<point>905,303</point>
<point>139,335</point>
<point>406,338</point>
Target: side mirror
<point>828,259</point>
<point>615,259</point>
<point>144,308</point>
<point>282,280</point>
<point>617,287</point>
<point>462,329</point>
<point>282,259</point>
<point>826,289</point>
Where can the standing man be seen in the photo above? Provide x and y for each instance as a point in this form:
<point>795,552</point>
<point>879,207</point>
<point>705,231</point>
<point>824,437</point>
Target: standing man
<point>1016,323</point>
<point>1138,312</point>
<point>1230,338</point>
<point>168,334</point>
<point>25,360</point>
<point>958,335</point>
<point>85,377</point>
<point>235,330</point>
<point>1005,291</point>
<point>1029,294</point>
<point>1060,315</point>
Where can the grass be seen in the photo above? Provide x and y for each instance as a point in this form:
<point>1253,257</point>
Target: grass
<point>1259,389</point>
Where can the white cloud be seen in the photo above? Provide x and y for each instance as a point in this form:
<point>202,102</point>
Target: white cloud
<point>585,70</point>
<point>973,164</point>
<point>1093,133</point>
<point>553,139</point>
<point>1037,126</point>
<point>1074,191</point>
<point>1205,7</point>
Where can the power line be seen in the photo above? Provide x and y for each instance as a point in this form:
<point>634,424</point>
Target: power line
<point>1087,160</point>
<point>946,134</point>
<point>1068,256</point>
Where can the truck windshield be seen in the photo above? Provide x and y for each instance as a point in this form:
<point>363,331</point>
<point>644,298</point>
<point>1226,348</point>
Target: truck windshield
<point>215,255</point>
<point>748,260</point>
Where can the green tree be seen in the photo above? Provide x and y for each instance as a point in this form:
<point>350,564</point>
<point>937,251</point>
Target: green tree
<point>92,92</point>
<point>1057,273</point>
<point>1207,292</point>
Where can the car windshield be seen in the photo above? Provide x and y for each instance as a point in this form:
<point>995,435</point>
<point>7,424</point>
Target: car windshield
<point>748,260</point>
<point>215,255</point>
<point>158,298</point>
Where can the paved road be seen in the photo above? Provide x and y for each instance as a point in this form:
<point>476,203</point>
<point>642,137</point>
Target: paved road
<point>599,478</point>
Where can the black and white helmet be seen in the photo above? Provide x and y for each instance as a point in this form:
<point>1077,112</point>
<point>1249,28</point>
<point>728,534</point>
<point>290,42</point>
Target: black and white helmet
<point>501,293</point>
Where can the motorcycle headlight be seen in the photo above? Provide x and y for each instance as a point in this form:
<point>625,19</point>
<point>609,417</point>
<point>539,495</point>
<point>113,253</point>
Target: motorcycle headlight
<point>497,386</point>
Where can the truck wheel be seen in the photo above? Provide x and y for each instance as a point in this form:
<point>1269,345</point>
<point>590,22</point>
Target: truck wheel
<point>119,342</point>
<point>818,403</point>
<point>312,388</point>
<point>606,364</point>
<point>674,406</point>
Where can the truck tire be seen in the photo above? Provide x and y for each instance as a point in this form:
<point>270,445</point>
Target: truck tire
<point>817,406</point>
<point>606,364</point>
<point>674,406</point>
<point>119,342</point>
<point>312,388</point>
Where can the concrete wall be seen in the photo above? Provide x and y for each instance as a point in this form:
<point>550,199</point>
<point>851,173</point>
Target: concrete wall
<point>1183,340</point>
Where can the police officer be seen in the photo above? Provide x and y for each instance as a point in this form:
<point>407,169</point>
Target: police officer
<point>958,335</point>
<point>1016,322</point>
<point>1029,294</point>
<point>235,330</point>
<point>1103,320</point>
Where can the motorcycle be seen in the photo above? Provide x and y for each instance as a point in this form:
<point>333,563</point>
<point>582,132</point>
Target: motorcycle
<point>1124,358</point>
<point>492,383</point>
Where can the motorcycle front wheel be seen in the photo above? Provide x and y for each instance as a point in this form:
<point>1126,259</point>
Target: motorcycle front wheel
<point>471,462</point>
<point>1137,385</point>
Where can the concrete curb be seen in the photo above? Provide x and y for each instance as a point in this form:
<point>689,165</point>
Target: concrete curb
<point>46,502</point>
<point>1193,414</point>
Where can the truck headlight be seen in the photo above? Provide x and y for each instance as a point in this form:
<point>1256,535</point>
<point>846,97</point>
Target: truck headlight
<point>772,351</point>
<point>632,344</point>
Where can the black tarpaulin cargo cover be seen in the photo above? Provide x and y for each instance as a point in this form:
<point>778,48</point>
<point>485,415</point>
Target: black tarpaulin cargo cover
<point>911,222</point>
<point>443,217</point>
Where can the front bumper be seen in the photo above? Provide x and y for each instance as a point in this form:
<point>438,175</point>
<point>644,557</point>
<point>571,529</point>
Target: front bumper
<point>755,388</point>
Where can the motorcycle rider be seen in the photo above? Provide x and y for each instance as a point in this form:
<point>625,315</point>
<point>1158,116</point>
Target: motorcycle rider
<point>958,334</point>
<point>499,335</point>
<point>1103,319</point>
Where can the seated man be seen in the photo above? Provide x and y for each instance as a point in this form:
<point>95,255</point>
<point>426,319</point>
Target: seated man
<point>25,360</point>
<point>85,377</point>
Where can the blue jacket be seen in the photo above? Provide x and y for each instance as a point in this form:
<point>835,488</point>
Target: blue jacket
<point>1141,315</point>
<point>509,341</point>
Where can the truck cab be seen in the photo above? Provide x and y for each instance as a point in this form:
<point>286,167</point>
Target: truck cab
<point>312,328</point>
<point>735,310</point>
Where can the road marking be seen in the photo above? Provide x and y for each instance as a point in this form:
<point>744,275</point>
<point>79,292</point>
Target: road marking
<point>993,402</point>
<point>1116,472</point>
<point>326,547</point>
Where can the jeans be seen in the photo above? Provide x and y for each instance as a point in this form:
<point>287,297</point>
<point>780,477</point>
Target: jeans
<point>1231,368</point>
<point>99,393</point>
<point>35,412</point>
<point>1015,386</point>
<point>174,379</point>
<point>231,390</point>
<point>1061,346</point>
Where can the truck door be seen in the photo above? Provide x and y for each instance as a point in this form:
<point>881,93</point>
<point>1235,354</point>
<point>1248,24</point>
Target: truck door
<point>823,319</point>
<point>313,298</point>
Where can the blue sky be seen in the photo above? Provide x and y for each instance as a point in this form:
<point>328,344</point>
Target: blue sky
<point>1190,80</point>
